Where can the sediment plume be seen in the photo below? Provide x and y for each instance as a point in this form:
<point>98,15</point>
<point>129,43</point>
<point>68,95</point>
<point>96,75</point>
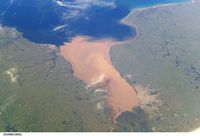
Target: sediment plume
<point>91,63</point>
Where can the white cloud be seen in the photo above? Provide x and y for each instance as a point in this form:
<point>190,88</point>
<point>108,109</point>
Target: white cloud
<point>82,4</point>
<point>78,7</point>
<point>59,27</point>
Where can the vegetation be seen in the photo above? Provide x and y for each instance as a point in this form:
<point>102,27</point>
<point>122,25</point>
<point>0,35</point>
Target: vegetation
<point>39,93</point>
<point>165,58</point>
<point>38,90</point>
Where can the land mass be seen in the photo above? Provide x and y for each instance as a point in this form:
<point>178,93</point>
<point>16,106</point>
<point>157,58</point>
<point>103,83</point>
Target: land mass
<point>39,92</point>
<point>165,59</point>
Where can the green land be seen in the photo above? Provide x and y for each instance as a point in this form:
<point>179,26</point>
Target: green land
<point>165,58</point>
<point>39,93</point>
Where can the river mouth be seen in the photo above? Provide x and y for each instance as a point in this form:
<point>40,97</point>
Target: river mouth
<point>52,23</point>
<point>91,63</point>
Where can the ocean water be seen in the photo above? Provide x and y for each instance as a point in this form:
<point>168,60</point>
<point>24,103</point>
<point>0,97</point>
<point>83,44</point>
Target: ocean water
<point>134,4</point>
<point>58,21</point>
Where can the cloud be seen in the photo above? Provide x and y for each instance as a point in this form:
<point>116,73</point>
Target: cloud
<point>76,8</point>
<point>83,4</point>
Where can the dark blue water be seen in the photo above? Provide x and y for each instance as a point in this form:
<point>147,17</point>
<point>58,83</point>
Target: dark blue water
<point>39,20</point>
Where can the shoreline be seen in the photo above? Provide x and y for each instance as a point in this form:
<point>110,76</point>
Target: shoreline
<point>92,54</point>
<point>133,25</point>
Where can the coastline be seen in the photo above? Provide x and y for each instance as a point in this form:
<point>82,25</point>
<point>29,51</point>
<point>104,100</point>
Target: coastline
<point>133,25</point>
<point>99,53</point>
<point>46,79</point>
